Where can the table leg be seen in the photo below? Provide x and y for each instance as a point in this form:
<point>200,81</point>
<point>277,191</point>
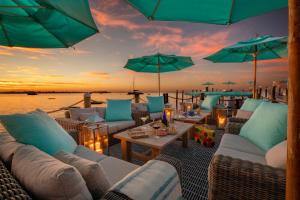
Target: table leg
<point>126,150</point>
<point>185,138</point>
<point>155,153</point>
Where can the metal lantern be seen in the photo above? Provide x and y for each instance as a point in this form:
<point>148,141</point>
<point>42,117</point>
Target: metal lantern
<point>221,118</point>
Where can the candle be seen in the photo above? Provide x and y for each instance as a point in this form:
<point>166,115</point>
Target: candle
<point>91,146</point>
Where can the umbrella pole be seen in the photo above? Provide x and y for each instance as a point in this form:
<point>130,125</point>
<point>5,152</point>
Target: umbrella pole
<point>158,73</point>
<point>158,84</point>
<point>293,151</point>
<point>254,75</point>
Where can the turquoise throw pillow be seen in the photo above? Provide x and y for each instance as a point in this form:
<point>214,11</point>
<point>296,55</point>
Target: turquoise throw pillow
<point>38,129</point>
<point>155,104</point>
<point>267,126</point>
<point>118,110</point>
<point>210,102</point>
<point>251,104</point>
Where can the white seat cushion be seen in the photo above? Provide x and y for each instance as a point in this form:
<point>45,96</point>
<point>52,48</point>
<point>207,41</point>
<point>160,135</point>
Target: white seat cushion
<point>239,143</point>
<point>155,116</point>
<point>116,169</point>
<point>277,156</point>
<point>241,155</point>
<point>114,127</point>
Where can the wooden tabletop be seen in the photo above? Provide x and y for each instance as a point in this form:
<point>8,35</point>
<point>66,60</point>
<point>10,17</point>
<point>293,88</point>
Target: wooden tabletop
<point>158,143</point>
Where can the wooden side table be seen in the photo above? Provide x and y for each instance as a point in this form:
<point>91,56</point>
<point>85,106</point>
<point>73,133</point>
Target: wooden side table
<point>95,137</point>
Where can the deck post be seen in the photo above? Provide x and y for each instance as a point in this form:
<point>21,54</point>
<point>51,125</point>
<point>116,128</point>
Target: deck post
<point>87,100</point>
<point>274,93</point>
<point>176,99</point>
<point>136,98</point>
<point>266,93</point>
<point>293,151</point>
<point>166,98</point>
<point>182,96</point>
<point>192,96</point>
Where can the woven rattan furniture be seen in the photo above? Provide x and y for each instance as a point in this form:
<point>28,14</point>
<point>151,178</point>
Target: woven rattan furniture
<point>235,179</point>
<point>9,186</point>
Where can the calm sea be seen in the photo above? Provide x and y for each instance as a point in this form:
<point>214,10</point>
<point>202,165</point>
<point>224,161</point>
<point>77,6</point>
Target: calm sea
<point>22,103</point>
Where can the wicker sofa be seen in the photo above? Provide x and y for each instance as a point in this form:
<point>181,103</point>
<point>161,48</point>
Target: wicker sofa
<point>239,170</point>
<point>72,122</point>
<point>116,170</point>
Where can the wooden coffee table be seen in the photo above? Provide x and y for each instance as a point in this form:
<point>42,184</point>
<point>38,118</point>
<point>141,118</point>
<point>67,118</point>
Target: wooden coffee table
<point>203,116</point>
<point>155,144</point>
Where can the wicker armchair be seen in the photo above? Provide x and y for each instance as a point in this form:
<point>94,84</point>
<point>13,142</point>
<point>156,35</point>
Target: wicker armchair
<point>236,179</point>
<point>173,161</point>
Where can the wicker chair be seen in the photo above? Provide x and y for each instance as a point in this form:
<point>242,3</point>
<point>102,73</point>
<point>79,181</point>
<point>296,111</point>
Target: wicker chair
<point>236,179</point>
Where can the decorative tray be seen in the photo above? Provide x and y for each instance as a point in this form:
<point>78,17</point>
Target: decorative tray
<point>137,133</point>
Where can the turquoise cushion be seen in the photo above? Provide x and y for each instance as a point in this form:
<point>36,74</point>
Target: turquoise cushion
<point>267,126</point>
<point>251,104</point>
<point>118,110</point>
<point>155,104</point>
<point>209,102</point>
<point>40,130</point>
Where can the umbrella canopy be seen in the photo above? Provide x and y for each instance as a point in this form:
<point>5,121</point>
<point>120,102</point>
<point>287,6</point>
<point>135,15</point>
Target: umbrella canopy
<point>250,82</point>
<point>259,48</point>
<point>45,23</point>
<point>206,11</point>
<point>159,63</point>
<point>208,83</point>
<point>228,83</point>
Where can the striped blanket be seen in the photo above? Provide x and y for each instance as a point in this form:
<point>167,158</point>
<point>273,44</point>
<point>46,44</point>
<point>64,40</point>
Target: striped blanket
<point>156,180</point>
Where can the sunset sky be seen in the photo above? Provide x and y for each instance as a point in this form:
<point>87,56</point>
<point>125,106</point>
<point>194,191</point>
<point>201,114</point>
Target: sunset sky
<point>97,62</point>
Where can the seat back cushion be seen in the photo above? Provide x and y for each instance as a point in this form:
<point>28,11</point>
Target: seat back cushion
<point>267,126</point>
<point>277,156</point>
<point>47,178</point>
<point>76,112</point>
<point>243,114</point>
<point>38,129</point>
<point>155,104</point>
<point>251,104</point>
<point>210,102</point>
<point>118,110</point>
<point>9,186</point>
<point>92,173</point>
<point>88,154</point>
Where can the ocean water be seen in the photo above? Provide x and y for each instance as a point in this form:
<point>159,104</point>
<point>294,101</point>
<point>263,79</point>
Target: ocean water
<point>22,103</point>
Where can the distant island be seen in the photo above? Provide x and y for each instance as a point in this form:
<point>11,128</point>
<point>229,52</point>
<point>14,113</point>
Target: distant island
<point>50,92</point>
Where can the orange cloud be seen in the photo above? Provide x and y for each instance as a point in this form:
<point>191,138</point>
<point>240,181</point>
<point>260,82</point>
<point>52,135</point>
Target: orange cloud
<point>273,69</point>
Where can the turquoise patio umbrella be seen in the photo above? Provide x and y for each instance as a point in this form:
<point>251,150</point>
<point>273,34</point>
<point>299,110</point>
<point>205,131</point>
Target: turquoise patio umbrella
<point>208,83</point>
<point>228,83</point>
<point>259,48</point>
<point>45,23</point>
<point>159,63</point>
<point>206,11</point>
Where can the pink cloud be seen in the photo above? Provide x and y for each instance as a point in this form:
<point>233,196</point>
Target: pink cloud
<point>197,46</point>
<point>109,20</point>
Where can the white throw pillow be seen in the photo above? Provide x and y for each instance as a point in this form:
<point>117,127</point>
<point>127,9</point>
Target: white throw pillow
<point>46,177</point>
<point>92,173</point>
<point>244,114</point>
<point>277,155</point>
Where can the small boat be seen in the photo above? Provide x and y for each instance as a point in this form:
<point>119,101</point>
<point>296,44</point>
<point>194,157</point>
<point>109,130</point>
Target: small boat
<point>51,98</point>
<point>96,102</point>
<point>32,93</point>
<point>134,92</point>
